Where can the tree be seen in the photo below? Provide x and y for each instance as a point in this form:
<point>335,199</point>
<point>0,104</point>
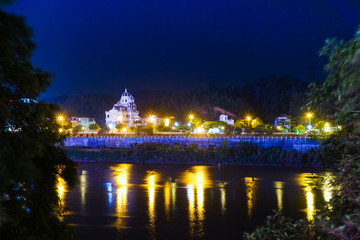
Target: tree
<point>31,164</point>
<point>301,128</point>
<point>94,126</point>
<point>119,126</point>
<point>163,128</point>
<point>77,129</point>
<point>338,97</point>
<point>256,122</point>
<point>104,129</point>
<point>149,129</point>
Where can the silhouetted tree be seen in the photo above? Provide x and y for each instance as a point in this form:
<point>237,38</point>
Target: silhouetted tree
<point>31,164</point>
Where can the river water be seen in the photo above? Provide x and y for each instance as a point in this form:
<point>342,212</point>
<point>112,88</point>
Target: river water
<point>128,201</point>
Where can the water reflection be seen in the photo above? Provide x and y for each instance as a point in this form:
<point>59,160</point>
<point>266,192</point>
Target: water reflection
<point>151,183</point>
<point>169,197</point>
<point>61,188</point>
<point>83,185</point>
<point>326,185</point>
<point>250,187</point>
<point>279,186</point>
<point>223,198</point>
<point>307,181</point>
<point>109,193</point>
<point>196,180</point>
<point>121,176</point>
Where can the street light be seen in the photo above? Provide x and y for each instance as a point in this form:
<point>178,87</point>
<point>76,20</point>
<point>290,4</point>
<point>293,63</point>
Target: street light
<point>191,117</point>
<point>309,115</point>
<point>152,118</point>
<point>248,118</point>
<point>60,118</point>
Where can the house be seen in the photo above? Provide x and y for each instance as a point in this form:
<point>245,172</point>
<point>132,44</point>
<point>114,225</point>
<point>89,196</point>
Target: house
<point>83,121</point>
<point>124,111</point>
<point>225,118</point>
<point>284,121</point>
<point>156,121</point>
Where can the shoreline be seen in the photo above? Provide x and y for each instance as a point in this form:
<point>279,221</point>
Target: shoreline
<point>242,154</point>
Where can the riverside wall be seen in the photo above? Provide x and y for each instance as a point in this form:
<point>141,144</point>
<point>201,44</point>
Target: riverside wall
<point>301,144</point>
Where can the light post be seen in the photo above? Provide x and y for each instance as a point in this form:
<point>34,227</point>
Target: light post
<point>191,118</point>
<point>309,115</point>
<point>60,119</point>
<point>248,118</point>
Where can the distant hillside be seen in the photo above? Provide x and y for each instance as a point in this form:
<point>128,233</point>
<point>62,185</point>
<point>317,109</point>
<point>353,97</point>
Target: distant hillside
<point>267,98</point>
<point>274,95</point>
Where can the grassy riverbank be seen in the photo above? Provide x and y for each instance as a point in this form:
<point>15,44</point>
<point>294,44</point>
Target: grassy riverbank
<point>242,153</point>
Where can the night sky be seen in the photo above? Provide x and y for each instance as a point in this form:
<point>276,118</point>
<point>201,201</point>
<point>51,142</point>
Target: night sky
<point>105,46</point>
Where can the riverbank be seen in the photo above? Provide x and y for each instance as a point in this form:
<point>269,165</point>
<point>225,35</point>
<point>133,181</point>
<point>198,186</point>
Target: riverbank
<point>241,153</point>
<point>298,143</point>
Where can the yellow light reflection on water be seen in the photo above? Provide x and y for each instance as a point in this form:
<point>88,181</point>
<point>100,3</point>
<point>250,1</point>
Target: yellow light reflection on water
<point>83,184</point>
<point>151,184</point>
<point>250,186</point>
<point>196,180</point>
<point>121,176</point>
<point>167,198</point>
<point>326,185</point>
<point>307,181</point>
<point>191,199</point>
<point>61,189</point>
<point>223,198</point>
<point>173,194</point>
<point>279,186</point>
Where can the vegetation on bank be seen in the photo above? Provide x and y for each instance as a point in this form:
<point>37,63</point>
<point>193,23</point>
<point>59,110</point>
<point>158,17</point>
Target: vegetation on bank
<point>242,153</point>
<point>337,98</point>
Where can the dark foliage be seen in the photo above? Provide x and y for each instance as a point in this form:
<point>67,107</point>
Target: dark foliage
<point>274,95</point>
<point>30,162</point>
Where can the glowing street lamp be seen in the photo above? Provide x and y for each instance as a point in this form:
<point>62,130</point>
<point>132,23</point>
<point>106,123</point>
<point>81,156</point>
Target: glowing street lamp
<point>60,118</point>
<point>60,130</point>
<point>151,119</point>
<point>191,117</point>
<point>124,129</point>
<point>309,116</point>
<point>248,118</point>
<point>200,130</point>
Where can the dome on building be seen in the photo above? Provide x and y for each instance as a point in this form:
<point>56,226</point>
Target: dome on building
<point>126,94</point>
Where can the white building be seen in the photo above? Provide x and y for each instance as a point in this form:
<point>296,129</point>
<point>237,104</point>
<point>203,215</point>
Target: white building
<point>283,121</point>
<point>156,121</point>
<point>225,118</point>
<point>124,111</point>
<point>83,121</point>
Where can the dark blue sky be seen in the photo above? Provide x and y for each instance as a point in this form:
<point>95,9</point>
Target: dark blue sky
<point>107,45</point>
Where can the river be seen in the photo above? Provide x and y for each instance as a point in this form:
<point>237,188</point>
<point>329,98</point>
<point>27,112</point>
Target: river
<point>134,201</point>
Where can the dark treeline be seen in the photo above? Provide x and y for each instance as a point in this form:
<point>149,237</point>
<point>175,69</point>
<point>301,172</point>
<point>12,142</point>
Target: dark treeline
<point>266,98</point>
<point>241,154</point>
